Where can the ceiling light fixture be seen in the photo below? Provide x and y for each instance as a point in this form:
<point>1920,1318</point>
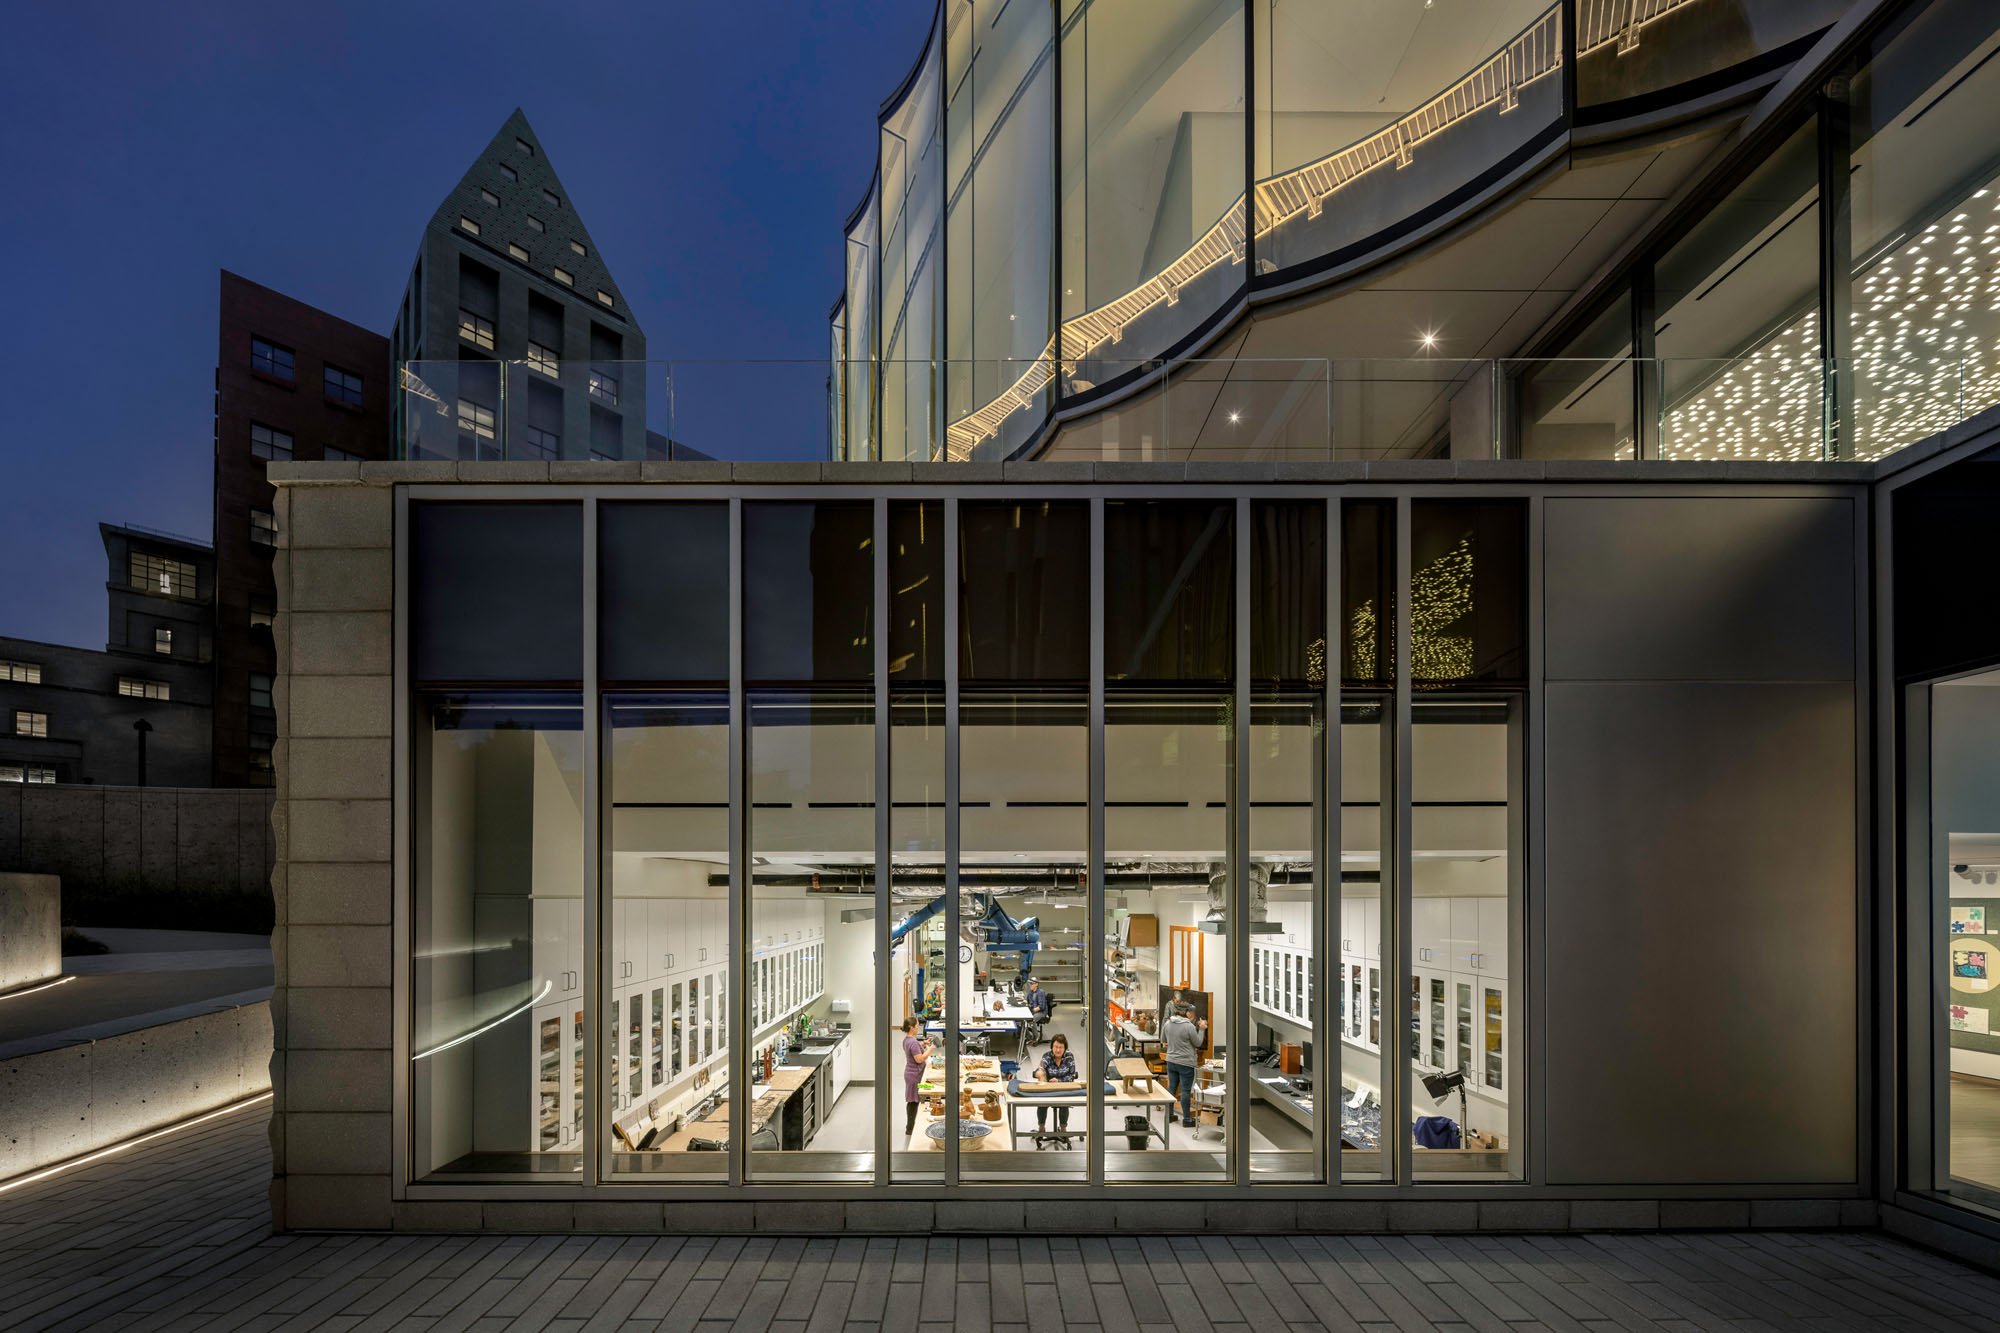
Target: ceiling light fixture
<point>1429,340</point>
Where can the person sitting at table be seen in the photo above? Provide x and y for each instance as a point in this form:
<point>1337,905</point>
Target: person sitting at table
<point>1057,1066</point>
<point>1039,1002</point>
<point>916,1054</point>
<point>1182,1040</point>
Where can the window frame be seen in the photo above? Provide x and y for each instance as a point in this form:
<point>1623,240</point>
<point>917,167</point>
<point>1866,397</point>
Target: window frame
<point>280,361</point>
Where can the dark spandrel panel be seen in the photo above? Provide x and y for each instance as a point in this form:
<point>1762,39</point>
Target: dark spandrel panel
<point>808,591</point>
<point>1367,601</point>
<point>663,592</point>
<point>916,591</point>
<point>1024,572</point>
<point>1468,609</point>
<point>496,591</point>
<point>1941,536</point>
<point>1168,610</point>
<point>1288,591</point>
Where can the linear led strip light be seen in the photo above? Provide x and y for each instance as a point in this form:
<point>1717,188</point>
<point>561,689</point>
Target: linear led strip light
<point>100,1154</point>
<point>36,988</point>
<point>1531,56</point>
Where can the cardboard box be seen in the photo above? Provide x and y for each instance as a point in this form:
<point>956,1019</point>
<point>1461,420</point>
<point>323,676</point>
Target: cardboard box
<point>1142,930</point>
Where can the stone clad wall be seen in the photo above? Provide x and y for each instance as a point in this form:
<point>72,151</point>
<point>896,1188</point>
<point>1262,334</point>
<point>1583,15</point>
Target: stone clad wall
<point>30,930</point>
<point>138,839</point>
<point>331,1063</point>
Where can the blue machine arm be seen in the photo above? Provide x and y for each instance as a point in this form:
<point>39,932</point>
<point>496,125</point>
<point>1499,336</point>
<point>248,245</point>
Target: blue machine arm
<point>1001,930</point>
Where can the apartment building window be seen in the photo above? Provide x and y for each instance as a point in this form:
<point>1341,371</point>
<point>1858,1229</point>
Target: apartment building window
<point>565,277</point>
<point>577,246</point>
<point>21,673</point>
<point>27,773</point>
<point>270,442</point>
<point>516,252</point>
<point>163,642</point>
<point>260,617</point>
<point>30,724</point>
<point>470,227</point>
<point>603,386</point>
<point>526,148</point>
<point>544,359</point>
<point>551,198</point>
<point>335,455</point>
<point>260,690</point>
<point>263,527</point>
<point>509,172</point>
<point>487,196</point>
<point>475,420</point>
<point>147,572</point>
<point>603,297</point>
<point>475,329</point>
<point>540,443</point>
<point>132,687</point>
<point>535,223</point>
<point>271,358</point>
<point>343,387</point>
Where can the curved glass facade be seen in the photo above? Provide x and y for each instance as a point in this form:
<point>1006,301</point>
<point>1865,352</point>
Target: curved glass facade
<point>1070,191</point>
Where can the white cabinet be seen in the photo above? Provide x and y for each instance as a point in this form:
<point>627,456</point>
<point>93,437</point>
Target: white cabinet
<point>667,920</point>
<point>630,941</point>
<point>558,946</point>
<point>1371,928</point>
<point>1491,954</point>
<point>1430,936</point>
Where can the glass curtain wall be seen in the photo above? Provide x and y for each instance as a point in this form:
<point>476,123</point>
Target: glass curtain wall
<point>1368,617</point>
<point>1467,668</point>
<point>999,157</point>
<point>1295,1005</point>
<point>911,186</point>
<point>808,655</point>
<point>1024,968</point>
<point>859,370</point>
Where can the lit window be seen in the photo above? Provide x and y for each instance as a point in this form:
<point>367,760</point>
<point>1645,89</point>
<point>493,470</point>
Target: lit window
<point>565,277</point>
<point>516,252</point>
<point>475,330</point>
<point>475,419</point>
<point>342,387</point>
<point>30,724</point>
<point>541,443</point>
<point>21,673</point>
<point>163,641</point>
<point>551,198</point>
<point>334,455</point>
<point>603,386</point>
<point>269,442</point>
<point>535,223</point>
<point>134,688</point>
<point>27,773</point>
<point>487,196</point>
<point>271,358</point>
<point>603,297</point>
<point>544,359</point>
<point>509,172</point>
<point>260,618</point>
<point>147,572</point>
<point>577,246</point>
<point>525,147</point>
<point>471,228</point>
<point>260,691</point>
<point>263,527</point>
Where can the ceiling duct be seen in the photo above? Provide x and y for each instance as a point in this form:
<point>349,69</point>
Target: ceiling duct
<point>1217,920</point>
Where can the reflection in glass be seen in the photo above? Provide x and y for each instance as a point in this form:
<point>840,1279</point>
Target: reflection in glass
<point>497,934</point>
<point>667,857</point>
<point>811,837</point>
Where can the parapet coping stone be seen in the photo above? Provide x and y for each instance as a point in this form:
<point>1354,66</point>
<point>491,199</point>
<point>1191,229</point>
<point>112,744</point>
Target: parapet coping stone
<point>1189,472</point>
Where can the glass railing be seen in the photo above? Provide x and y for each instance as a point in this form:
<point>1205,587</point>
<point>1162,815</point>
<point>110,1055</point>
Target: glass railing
<point>1759,407</point>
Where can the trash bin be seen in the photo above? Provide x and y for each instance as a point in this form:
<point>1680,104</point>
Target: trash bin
<point>1138,1130</point>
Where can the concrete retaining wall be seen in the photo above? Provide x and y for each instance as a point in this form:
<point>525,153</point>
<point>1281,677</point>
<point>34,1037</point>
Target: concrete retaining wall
<point>30,929</point>
<point>139,839</point>
<point>89,1094</point>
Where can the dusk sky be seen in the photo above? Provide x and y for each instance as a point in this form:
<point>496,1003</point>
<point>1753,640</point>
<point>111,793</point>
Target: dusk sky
<point>713,150</point>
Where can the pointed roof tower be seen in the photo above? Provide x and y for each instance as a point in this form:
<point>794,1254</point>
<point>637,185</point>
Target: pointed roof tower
<point>533,214</point>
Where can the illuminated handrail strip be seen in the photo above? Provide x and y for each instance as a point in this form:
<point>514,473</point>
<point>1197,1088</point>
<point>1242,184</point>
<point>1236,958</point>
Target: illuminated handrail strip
<point>1535,53</point>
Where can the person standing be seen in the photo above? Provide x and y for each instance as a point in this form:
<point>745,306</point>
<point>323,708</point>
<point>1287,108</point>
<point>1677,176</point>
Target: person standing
<point>1183,1037</point>
<point>1057,1066</point>
<point>916,1054</point>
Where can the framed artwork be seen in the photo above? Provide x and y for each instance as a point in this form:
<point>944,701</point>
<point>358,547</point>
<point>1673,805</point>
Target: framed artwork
<point>1966,1019</point>
<point>1969,964</point>
<point>1968,920</point>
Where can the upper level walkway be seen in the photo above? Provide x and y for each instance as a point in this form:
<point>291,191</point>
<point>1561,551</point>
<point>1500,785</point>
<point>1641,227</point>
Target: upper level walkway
<point>175,1235</point>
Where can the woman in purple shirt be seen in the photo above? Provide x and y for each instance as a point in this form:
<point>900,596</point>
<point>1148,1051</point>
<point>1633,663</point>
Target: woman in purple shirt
<point>916,1052</point>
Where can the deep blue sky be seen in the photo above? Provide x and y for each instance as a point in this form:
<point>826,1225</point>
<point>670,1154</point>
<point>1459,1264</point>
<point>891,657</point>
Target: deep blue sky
<point>713,149</point>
